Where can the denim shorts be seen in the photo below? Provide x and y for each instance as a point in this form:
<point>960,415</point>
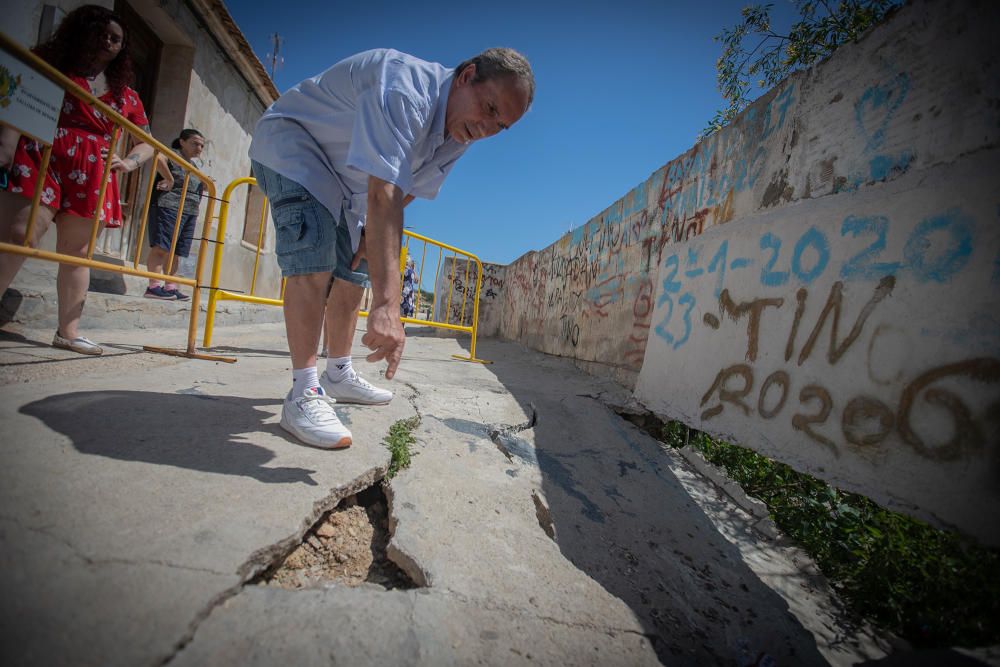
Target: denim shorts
<point>161,230</point>
<point>308,239</point>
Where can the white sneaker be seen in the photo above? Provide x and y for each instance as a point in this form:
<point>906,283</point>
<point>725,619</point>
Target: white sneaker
<point>311,419</point>
<point>354,389</point>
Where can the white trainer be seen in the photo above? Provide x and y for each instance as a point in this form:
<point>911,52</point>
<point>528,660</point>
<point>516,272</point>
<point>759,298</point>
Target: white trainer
<point>355,389</point>
<point>311,419</point>
<point>80,345</point>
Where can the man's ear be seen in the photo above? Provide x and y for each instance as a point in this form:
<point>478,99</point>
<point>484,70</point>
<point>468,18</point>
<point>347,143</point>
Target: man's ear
<point>468,74</point>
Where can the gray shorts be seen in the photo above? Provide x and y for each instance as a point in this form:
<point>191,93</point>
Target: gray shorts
<point>308,239</point>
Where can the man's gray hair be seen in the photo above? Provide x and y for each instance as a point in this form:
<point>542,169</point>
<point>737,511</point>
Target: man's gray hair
<point>500,62</point>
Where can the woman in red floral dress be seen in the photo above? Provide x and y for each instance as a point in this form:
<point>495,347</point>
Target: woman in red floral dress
<point>91,47</point>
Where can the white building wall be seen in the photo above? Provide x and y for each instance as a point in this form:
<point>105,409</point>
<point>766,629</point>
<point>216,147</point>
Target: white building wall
<point>221,104</point>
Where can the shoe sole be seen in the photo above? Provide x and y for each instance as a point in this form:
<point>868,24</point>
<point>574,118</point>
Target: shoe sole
<point>343,443</point>
<point>159,298</point>
<point>86,351</point>
<point>352,401</point>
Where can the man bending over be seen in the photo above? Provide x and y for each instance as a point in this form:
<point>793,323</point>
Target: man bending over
<point>339,156</point>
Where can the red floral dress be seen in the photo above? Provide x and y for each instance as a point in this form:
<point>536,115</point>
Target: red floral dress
<point>73,181</point>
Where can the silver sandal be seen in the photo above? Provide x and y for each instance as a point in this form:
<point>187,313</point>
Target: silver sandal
<point>80,345</point>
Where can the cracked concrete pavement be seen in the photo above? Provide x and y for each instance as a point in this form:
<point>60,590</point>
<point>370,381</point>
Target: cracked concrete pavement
<point>140,494</point>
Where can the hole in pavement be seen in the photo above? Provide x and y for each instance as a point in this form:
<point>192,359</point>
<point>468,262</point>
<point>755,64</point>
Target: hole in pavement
<point>645,421</point>
<point>346,546</point>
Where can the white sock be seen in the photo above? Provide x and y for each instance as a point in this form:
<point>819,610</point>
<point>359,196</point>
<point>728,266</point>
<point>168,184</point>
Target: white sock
<point>302,379</point>
<point>339,368</point>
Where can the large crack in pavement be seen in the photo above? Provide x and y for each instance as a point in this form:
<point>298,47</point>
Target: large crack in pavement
<point>98,562</point>
<point>503,436</point>
<point>263,559</point>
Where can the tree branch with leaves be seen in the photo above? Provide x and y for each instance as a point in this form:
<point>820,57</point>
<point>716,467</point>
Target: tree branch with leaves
<point>753,51</point>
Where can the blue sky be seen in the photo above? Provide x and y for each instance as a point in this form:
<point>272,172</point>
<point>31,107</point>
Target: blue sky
<point>622,88</point>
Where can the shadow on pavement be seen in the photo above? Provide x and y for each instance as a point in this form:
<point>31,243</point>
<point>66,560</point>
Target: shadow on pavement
<point>10,303</point>
<point>248,351</point>
<point>181,430</point>
<point>926,658</point>
<point>621,516</point>
<point>11,337</point>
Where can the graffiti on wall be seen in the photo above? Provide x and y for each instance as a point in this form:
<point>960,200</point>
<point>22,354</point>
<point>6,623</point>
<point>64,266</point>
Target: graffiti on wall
<point>722,165</point>
<point>598,277</point>
<point>813,329</point>
<point>807,258</point>
<point>456,288</point>
<point>598,281</point>
<point>845,343</point>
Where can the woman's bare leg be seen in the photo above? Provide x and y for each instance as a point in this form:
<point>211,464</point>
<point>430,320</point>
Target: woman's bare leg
<point>14,210</point>
<point>72,282</point>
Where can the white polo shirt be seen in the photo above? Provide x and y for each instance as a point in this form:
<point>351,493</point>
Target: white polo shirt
<point>378,113</point>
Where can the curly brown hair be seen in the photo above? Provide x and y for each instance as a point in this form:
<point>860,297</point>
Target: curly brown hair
<point>78,38</point>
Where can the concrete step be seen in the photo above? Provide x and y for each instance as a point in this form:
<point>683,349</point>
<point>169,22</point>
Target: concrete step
<point>115,301</point>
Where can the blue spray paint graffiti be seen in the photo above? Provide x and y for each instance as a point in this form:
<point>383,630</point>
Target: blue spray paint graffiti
<point>768,276</point>
<point>725,162</point>
<point>817,240</point>
<point>952,259</point>
<point>862,266</point>
<point>883,166</point>
<point>936,249</point>
<point>876,107</point>
<point>873,114</point>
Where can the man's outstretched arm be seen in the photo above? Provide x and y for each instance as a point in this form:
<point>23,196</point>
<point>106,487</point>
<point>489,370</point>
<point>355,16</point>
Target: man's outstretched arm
<point>383,234</point>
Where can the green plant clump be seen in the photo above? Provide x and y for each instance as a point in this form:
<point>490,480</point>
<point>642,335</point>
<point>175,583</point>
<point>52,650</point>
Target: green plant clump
<point>754,53</point>
<point>399,441</point>
<point>931,587</point>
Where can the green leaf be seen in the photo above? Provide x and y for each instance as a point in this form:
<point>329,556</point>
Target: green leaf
<point>752,47</point>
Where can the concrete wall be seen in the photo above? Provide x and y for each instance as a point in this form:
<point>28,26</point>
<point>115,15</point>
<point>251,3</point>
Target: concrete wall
<point>221,104</point>
<point>22,20</point>
<point>457,277</point>
<point>820,281</point>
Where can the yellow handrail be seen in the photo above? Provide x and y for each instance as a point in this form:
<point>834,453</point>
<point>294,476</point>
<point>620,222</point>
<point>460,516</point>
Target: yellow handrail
<point>220,237</point>
<point>25,55</point>
<point>216,294</point>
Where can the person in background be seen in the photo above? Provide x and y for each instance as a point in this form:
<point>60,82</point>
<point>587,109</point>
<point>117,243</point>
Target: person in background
<point>406,306</point>
<point>90,46</point>
<point>162,217</point>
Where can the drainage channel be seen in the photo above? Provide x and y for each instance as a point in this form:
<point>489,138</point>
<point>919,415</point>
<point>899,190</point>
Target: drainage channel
<point>347,546</point>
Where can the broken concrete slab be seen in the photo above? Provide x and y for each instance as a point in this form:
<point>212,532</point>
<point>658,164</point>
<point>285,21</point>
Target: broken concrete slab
<point>541,523</point>
<point>63,607</point>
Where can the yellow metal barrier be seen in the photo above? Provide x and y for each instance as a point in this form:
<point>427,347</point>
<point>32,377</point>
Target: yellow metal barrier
<point>10,46</point>
<point>217,294</point>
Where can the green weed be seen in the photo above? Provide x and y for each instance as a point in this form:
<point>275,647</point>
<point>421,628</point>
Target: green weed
<point>929,586</point>
<point>399,441</point>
